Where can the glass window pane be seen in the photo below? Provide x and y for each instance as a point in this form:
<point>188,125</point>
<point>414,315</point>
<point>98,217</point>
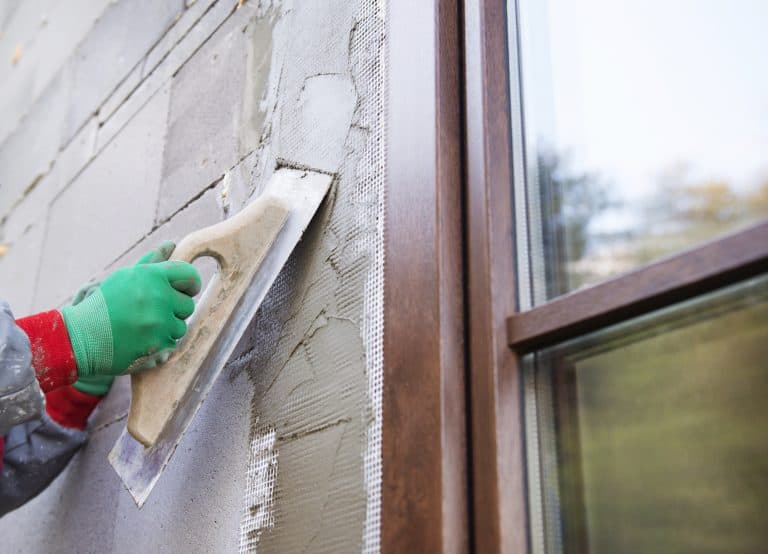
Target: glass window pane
<point>645,131</point>
<point>652,436</point>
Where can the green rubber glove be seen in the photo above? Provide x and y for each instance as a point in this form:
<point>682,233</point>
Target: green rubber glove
<point>99,385</point>
<point>133,318</point>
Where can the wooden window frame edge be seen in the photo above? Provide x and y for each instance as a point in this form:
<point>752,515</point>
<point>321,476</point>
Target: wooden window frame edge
<point>691,273</point>
<point>499,489</point>
<point>425,506</point>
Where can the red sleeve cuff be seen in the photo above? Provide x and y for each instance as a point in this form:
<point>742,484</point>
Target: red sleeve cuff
<point>69,407</point>
<point>52,356</point>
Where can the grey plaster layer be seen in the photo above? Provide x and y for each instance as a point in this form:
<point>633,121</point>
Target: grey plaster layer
<point>316,97</point>
<point>107,208</point>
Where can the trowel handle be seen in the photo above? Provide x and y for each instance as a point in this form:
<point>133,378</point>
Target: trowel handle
<point>238,245</point>
<point>219,241</point>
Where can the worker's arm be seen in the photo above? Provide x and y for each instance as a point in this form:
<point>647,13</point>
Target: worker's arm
<point>34,448</point>
<point>36,452</point>
<point>133,319</point>
<point>20,396</point>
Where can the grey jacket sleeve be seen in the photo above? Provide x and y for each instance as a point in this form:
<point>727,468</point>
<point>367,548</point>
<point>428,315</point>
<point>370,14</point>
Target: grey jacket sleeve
<point>35,453</point>
<point>36,448</point>
<point>20,396</point>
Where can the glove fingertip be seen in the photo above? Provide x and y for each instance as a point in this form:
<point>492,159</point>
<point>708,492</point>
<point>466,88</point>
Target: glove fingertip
<point>183,276</point>
<point>189,287</point>
<point>166,249</point>
<point>160,254</point>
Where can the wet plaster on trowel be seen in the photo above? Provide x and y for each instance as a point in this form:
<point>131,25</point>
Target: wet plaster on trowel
<point>304,353</point>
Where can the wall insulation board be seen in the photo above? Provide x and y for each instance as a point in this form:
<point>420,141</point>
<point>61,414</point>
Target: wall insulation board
<point>127,122</point>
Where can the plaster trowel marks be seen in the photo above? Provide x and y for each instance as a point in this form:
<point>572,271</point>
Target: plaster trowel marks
<point>314,363</point>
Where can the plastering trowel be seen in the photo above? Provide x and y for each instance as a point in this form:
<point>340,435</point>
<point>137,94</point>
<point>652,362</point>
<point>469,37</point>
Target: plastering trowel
<point>250,249</point>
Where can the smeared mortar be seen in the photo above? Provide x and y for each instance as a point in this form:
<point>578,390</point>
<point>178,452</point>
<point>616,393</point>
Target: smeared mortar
<point>305,354</point>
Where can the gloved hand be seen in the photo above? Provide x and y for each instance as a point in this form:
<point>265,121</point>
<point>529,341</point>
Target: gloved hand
<point>99,385</point>
<point>130,319</point>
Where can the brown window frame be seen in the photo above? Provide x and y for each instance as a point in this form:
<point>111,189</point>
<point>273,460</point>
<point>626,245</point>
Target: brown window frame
<point>499,498</point>
<point>498,332</point>
<point>425,491</point>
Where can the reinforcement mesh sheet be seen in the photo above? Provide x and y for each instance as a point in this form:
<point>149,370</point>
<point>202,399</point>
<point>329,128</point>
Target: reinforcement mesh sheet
<point>372,44</point>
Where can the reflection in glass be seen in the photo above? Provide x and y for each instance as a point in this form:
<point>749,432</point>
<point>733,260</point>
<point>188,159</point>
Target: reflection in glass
<point>653,436</point>
<point>645,128</point>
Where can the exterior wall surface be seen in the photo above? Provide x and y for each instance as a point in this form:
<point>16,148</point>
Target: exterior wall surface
<point>127,122</point>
